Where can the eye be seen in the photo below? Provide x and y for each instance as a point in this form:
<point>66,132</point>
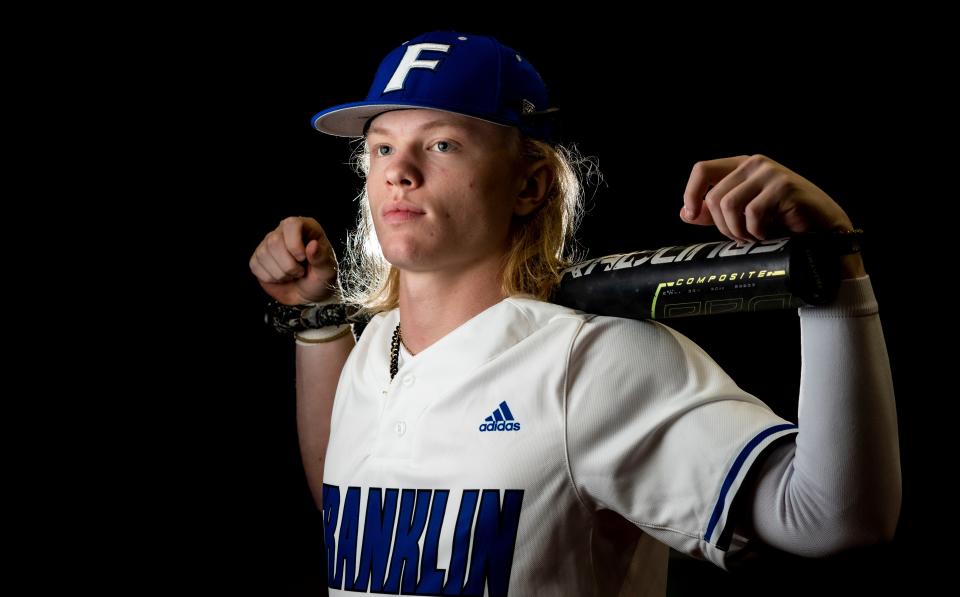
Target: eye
<point>446,144</point>
<point>379,147</point>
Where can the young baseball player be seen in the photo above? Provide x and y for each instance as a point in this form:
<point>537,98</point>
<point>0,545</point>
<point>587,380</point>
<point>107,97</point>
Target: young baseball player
<point>479,440</point>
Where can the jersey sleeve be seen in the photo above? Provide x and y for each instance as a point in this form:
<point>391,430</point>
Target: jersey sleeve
<point>657,432</point>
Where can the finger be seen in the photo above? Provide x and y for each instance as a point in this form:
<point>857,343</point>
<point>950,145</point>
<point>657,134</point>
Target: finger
<point>761,211</point>
<point>290,267</point>
<point>734,204</point>
<point>703,176</point>
<point>257,269</point>
<point>269,264</point>
<point>310,229</point>
<point>293,234</point>
<point>716,212</point>
<point>279,251</point>
<point>703,218</point>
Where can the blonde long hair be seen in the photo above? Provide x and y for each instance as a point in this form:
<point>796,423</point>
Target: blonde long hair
<point>542,243</point>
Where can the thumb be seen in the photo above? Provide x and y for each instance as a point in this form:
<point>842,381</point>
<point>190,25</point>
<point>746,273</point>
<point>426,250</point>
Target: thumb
<point>319,253</point>
<point>313,252</point>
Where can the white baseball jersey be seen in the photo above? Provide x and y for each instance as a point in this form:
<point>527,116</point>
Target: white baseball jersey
<point>493,462</point>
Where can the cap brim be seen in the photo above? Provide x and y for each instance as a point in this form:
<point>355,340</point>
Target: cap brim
<point>348,120</point>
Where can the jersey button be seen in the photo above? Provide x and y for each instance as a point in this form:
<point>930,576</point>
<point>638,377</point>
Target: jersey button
<point>400,427</point>
<point>408,380</point>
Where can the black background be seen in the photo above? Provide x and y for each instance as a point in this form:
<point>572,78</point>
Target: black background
<point>838,101</point>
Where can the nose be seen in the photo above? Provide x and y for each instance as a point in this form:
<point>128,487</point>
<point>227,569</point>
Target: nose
<point>403,171</point>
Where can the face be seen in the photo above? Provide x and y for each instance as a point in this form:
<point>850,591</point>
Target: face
<point>442,188</point>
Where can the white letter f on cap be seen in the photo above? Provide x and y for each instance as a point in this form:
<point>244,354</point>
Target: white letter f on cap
<point>410,61</point>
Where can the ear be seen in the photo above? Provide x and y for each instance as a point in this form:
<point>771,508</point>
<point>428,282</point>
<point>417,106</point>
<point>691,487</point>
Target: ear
<point>537,179</point>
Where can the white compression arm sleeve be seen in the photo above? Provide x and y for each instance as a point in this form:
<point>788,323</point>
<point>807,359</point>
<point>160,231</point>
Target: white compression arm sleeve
<point>838,486</point>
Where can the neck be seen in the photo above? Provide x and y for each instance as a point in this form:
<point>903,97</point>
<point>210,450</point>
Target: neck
<point>432,304</point>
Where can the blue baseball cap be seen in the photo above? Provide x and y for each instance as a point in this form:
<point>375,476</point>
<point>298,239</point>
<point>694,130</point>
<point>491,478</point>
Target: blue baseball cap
<point>472,75</point>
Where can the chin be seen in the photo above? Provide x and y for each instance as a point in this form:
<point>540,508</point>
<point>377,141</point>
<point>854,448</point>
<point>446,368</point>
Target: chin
<point>404,255</point>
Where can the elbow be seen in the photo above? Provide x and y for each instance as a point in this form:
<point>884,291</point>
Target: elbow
<point>884,516</point>
<point>876,533</point>
<point>872,520</point>
<point>886,522</point>
<point>840,540</point>
<point>862,526</point>
<point>870,527</point>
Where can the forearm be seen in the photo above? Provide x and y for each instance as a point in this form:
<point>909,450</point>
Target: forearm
<point>318,372</point>
<point>840,485</point>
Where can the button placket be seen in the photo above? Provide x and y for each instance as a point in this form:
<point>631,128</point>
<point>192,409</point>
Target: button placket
<point>393,408</point>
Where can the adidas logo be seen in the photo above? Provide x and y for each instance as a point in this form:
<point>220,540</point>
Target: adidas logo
<point>501,420</point>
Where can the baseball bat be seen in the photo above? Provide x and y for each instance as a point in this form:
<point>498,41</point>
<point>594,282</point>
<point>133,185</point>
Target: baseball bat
<point>709,278</point>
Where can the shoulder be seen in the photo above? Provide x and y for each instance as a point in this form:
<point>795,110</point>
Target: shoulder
<point>542,313</point>
<point>628,334</point>
<point>642,351</point>
<point>591,328</point>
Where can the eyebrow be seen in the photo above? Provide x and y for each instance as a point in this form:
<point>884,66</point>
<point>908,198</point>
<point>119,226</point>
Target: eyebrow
<point>433,124</point>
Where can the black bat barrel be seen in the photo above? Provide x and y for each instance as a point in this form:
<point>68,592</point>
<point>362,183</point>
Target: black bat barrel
<point>707,278</point>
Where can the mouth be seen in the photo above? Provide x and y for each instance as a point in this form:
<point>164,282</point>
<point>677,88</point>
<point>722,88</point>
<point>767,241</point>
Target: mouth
<point>401,215</point>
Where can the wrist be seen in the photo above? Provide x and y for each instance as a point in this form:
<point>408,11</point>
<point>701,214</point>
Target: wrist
<point>334,297</point>
<point>322,335</point>
<point>851,266</point>
<point>318,320</point>
<point>312,337</point>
